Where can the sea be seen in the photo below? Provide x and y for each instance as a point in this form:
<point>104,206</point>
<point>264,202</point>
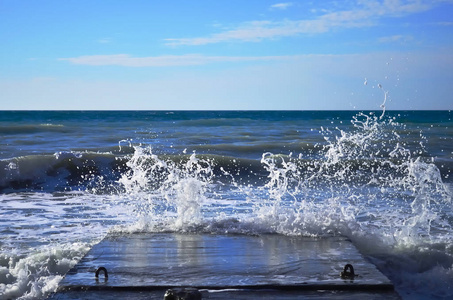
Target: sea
<point>383,179</point>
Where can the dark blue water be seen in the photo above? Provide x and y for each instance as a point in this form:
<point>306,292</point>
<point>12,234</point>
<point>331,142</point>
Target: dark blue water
<point>67,178</point>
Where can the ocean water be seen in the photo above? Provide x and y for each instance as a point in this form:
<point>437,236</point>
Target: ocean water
<point>383,179</point>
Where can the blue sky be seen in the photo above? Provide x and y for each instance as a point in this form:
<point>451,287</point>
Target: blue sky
<point>226,54</point>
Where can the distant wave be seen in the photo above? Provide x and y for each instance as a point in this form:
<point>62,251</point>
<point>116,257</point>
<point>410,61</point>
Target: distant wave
<point>20,129</point>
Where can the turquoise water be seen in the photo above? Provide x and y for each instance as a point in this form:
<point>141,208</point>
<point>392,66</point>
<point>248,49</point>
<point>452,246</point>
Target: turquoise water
<point>67,178</point>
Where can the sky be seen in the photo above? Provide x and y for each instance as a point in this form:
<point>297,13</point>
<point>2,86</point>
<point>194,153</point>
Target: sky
<point>226,55</point>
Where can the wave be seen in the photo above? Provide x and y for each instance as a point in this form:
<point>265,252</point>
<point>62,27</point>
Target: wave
<point>36,275</point>
<point>65,171</point>
<point>32,128</point>
<point>57,172</point>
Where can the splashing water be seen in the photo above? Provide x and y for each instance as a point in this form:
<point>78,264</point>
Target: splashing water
<point>169,190</point>
<point>369,173</point>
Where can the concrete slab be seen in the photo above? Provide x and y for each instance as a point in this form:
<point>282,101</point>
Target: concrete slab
<point>224,264</point>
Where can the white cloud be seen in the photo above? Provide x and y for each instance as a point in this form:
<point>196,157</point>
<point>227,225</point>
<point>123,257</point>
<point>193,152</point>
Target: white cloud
<point>105,40</point>
<point>126,60</point>
<point>281,6</point>
<point>256,31</point>
<point>365,13</point>
<point>445,23</point>
<point>395,38</point>
<point>397,8</point>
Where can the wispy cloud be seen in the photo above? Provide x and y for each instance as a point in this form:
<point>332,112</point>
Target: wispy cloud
<point>395,38</point>
<point>281,6</point>
<point>104,40</point>
<point>126,60</point>
<point>364,13</point>
<point>444,23</point>
<point>256,31</point>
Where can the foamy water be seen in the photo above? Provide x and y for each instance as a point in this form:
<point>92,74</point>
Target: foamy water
<point>381,182</point>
